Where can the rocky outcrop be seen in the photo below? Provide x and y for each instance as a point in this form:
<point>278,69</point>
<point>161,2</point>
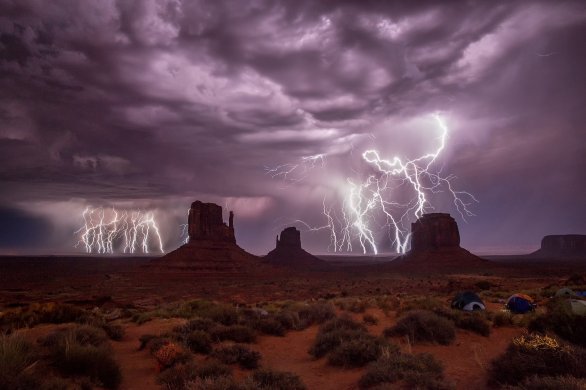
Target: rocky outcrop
<point>435,247</point>
<point>566,245</point>
<point>205,223</point>
<point>289,253</point>
<point>211,248</point>
<point>434,231</point>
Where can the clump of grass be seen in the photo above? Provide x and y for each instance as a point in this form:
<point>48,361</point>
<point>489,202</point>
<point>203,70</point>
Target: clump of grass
<point>16,355</point>
<point>369,319</point>
<point>277,380</point>
<point>533,355</point>
<point>183,375</point>
<point>316,313</point>
<point>238,354</point>
<point>420,371</point>
<point>84,350</point>
<point>549,383</point>
<point>198,341</point>
<point>354,305</point>
<point>423,325</point>
<point>42,313</point>
<point>347,343</point>
<point>475,323</point>
<point>271,326</point>
<point>236,333</point>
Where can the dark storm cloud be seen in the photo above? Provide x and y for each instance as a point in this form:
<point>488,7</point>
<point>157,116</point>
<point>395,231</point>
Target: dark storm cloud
<point>162,101</point>
<point>22,230</point>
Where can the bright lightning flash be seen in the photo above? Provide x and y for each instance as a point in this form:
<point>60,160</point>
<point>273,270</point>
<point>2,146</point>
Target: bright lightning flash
<point>366,200</point>
<point>130,232</point>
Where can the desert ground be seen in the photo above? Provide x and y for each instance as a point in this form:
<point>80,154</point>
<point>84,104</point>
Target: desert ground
<point>138,306</point>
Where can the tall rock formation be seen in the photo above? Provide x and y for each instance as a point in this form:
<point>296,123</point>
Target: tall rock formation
<point>434,231</point>
<point>289,253</point>
<point>566,245</point>
<point>211,248</point>
<point>435,247</point>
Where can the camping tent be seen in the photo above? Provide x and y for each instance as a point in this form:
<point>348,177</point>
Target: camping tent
<point>578,307</point>
<point>467,301</point>
<point>564,292</point>
<point>520,303</point>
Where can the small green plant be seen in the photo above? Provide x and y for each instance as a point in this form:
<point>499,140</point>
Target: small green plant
<point>423,325</point>
<point>238,354</point>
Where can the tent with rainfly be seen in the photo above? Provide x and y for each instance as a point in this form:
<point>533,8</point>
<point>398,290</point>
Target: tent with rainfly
<point>578,307</point>
<point>520,303</point>
<point>467,301</point>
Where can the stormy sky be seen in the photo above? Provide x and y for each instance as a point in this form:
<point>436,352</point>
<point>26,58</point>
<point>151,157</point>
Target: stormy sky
<point>151,104</point>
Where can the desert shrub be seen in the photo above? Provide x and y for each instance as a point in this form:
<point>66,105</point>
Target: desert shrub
<point>562,321</point>
<point>37,313</point>
<point>426,303</point>
<point>369,319</point>
<point>539,355</point>
<point>114,332</point>
<point>178,376</point>
<point>423,325</point>
<point>326,342</point>
<point>288,319</point>
<point>277,380</point>
<point>270,326</point>
<point>238,354</point>
<point>16,354</point>
<point>203,324</point>
<point>198,341</point>
<point>354,305</point>
<point>236,333</point>
<point>503,318</point>
<point>343,322</point>
<point>145,340</point>
<point>550,383</point>
<point>475,323</point>
<point>212,369</point>
<point>219,383</point>
<point>84,351</point>
<point>316,313</point>
<point>420,371</point>
<point>356,352</point>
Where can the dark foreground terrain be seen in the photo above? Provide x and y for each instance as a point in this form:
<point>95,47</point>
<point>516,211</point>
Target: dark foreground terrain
<point>270,330</point>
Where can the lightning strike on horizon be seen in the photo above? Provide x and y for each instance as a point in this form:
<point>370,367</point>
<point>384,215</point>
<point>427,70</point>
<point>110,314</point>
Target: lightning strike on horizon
<point>364,201</point>
<point>131,231</point>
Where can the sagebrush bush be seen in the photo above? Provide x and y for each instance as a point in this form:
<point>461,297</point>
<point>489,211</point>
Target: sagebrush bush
<point>80,334</point>
<point>42,313</point>
<point>549,383</point>
<point>270,326</point>
<point>198,341</point>
<point>420,371</point>
<point>423,325</point>
<point>534,354</point>
<point>277,380</point>
<point>475,323</point>
<point>503,318</point>
<point>238,354</point>
<point>325,342</point>
<point>316,313</point>
<point>178,376</point>
<point>236,333</point>
<point>560,320</point>
<point>356,352</point>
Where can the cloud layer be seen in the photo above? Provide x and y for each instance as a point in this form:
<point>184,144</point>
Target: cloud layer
<point>151,104</point>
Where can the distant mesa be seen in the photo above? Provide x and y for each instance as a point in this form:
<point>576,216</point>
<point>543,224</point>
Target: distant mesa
<point>435,244</point>
<point>566,245</point>
<point>289,253</point>
<point>211,248</point>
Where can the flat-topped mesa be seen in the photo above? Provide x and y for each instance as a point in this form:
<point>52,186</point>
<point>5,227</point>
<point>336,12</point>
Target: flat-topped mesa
<point>434,231</point>
<point>563,245</point>
<point>205,223</point>
<point>290,238</point>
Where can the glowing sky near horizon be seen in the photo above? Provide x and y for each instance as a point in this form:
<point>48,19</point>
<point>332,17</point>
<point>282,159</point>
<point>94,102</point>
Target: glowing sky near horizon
<point>152,104</point>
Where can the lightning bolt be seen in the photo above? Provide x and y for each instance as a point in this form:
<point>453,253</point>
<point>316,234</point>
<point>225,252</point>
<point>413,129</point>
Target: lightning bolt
<point>366,201</point>
<point>104,233</point>
<point>296,172</point>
